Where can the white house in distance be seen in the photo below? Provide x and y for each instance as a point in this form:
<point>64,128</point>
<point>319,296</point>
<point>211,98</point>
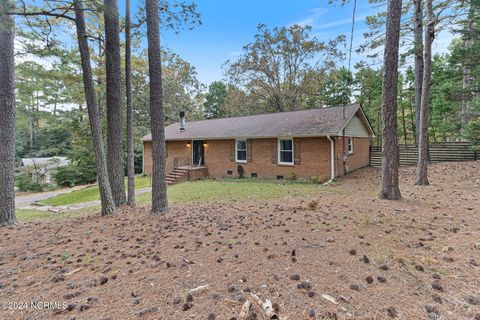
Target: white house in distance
<point>41,169</point>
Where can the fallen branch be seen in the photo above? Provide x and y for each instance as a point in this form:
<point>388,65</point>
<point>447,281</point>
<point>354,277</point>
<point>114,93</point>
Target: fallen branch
<point>266,307</point>
<point>245,312</point>
<point>200,288</point>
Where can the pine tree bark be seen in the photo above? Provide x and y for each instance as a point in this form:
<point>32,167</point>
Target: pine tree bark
<point>7,115</point>
<point>468,41</point>
<point>108,205</point>
<point>402,110</point>
<point>159,186</point>
<point>390,189</point>
<point>419,65</point>
<point>128,81</point>
<point>115,161</point>
<point>422,166</point>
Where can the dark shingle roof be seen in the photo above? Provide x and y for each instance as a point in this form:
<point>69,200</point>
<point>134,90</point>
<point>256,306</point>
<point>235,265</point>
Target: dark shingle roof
<point>311,122</point>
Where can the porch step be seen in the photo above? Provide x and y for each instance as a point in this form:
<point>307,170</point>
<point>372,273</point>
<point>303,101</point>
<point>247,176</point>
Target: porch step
<point>175,175</point>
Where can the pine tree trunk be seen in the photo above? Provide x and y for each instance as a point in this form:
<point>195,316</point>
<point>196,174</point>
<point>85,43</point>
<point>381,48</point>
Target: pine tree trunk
<point>7,116</point>
<point>412,120</point>
<point>115,161</point>
<point>422,166</point>
<point>418,52</point>
<point>159,187</point>
<point>108,205</point>
<point>468,35</point>
<point>128,81</point>
<point>402,110</point>
<point>390,189</point>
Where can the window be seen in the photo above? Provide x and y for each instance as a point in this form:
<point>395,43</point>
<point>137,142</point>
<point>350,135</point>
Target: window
<point>350,145</point>
<point>241,150</point>
<point>285,151</point>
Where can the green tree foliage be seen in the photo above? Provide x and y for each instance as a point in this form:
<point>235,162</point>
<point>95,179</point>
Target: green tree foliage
<point>81,169</point>
<point>278,65</point>
<point>368,88</point>
<point>215,100</point>
<point>337,88</point>
<point>25,183</point>
<point>182,91</point>
<point>473,132</point>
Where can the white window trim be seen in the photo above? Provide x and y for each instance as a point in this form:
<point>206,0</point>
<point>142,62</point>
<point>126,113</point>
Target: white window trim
<point>348,145</point>
<point>236,150</point>
<point>279,151</point>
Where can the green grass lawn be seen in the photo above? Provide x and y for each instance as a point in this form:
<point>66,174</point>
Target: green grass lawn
<point>195,191</point>
<point>223,190</point>
<point>232,190</point>
<point>88,194</point>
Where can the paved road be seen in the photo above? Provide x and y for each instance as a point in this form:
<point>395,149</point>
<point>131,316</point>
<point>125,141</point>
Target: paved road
<point>28,201</point>
<point>30,198</point>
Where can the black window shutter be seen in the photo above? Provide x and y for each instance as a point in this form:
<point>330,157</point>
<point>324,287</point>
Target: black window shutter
<point>232,151</point>
<point>249,150</point>
<point>275,151</point>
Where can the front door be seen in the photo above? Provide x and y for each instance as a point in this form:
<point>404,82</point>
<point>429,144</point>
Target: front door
<point>197,154</point>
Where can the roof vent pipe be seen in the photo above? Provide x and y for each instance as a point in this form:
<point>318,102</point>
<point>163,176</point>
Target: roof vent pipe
<point>182,120</point>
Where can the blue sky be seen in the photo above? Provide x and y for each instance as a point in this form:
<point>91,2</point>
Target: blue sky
<point>227,25</point>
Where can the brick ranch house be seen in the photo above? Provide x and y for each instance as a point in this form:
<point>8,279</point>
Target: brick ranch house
<point>322,143</point>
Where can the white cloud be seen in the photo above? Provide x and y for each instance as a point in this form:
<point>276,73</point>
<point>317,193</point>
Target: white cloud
<point>21,55</point>
<point>442,41</point>
<point>313,16</point>
<point>234,53</point>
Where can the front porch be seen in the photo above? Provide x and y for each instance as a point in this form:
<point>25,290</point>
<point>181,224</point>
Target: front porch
<point>181,170</point>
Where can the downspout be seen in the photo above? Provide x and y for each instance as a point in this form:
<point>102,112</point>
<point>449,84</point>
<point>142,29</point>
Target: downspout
<point>332,160</point>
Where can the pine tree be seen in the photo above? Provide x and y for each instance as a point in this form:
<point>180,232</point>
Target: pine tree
<point>390,188</point>
<point>128,82</point>
<point>108,205</point>
<point>115,162</point>
<point>159,186</point>
<point>7,116</point>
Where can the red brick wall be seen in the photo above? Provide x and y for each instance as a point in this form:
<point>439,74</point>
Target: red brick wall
<point>358,159</point>
<point>147,157</point>
<point>175,149</point>
<point>314,157</point>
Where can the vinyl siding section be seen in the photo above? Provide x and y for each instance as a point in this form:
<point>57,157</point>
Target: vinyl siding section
<point>356,128</point>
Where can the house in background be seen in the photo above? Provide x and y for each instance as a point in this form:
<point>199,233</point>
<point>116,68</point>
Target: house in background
<point>42,169</point>
<point>322,143</point>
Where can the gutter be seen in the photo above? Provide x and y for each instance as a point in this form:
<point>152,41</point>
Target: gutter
<point>332,160</point>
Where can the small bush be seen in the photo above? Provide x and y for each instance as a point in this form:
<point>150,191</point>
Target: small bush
<point>66,176</point>
<point>240,171</point>
<point>291,176</point>
<point>316,179</point>
<point>75,174</point>
<point>25,184</point>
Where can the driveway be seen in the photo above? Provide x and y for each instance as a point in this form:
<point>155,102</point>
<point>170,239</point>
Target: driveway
<point>29,201</point>
<point>25,200</point>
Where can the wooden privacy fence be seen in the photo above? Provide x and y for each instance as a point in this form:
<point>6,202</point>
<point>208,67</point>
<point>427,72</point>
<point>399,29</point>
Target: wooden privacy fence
<point>438,152</point>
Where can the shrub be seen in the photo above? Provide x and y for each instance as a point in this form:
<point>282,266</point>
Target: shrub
<point>75,174</point>
<point>25,183</point>
<point>66,176</point>
<point>240,171</point>
<point>316,179</point>
<point>291,176</point>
